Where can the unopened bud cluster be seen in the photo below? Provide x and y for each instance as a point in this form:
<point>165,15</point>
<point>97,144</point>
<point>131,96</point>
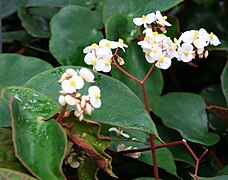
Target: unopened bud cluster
<point>73,158</point>
<point>71,82</point>
<point>100,55</point>
<point>161,49</point>
<point>123,147</point>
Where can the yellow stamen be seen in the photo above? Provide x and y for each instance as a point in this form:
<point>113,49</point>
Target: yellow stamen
<point>155,33</point>
<point>143,17</point>
<point>72,83</point>
<point>107,62</point>
<point>97,95</point>
<point>94,61</point>
<point>175,40</point>
<point>94,45</point>
<point>175,47</point>
<point>161,35</point>
<point>186,52</point>
<point>195,35</point>
<point>107,44</point>
<point>121,41</point>
<point>164,18</point>
<point>211,35</point>
<point>147,53</point>
<point>155,51</point>
<point>100,46</point>
<point>146,38</point>
<point>161,59</point>
<point>153,42</point>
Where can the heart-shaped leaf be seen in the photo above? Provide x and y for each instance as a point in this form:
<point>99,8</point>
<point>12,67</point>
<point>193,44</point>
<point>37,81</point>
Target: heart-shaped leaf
<point>6,174</point>
<point>121,26</point>
<point>136,7</point>
<point>75,36</point>
<point>186,113</point>
<point>136,64</point>
<point>39,141</point>
<point>119,107</point>
<point>224,81</point>
<point>7,155</point>
<point>17,69</point>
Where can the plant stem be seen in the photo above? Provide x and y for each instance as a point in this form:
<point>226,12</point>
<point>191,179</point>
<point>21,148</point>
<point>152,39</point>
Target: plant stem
<point>155,167</point>
<point>148,73</point>
<point>61,114</point>
<point>126,73</point>
<point>215,158</point>
<point>145,98</point>
<point>198,161</point>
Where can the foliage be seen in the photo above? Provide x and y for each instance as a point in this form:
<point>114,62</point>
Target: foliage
<point>136,114</point>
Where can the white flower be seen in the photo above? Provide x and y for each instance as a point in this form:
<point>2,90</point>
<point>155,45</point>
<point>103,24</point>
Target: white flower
<point>213,39</point>
<point>163,62</point>
<point>70,100</point>
<point>72,84</point>
<point>91,59</point>
<point>86,74</point>
<point>121,44</point>
<point>62,100</point>
<point>144,20</point>
<point>118,132</point>
<point>200,38</point>
<point>186,52</point>
<point>108,44</point>
<point>161,19</point>
<point>91,48</point>
<point>95,95</point>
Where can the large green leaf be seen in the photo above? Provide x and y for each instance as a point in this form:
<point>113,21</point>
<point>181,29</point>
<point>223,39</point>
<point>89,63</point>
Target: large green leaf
<point>39,141</point>
<point>121,26</point>
<point>224,81</point>
<point>55,3</point>
<point>186,113</point>
<point>20,35</point>
<point>36,20</point>
<point>7,155</point>
<point>17,69</point>
<point>7,174</point>
<point>4,113</point>
<point>136,7</point>
<point>74,27</point>
<point>8,7</point>
<point>136,64</point>
<point>120,106</point>
<point>87,134</point>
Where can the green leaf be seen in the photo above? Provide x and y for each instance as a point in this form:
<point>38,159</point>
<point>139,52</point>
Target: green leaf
<point>20,35</point>
<point>7,174</point>
<point>136,64</point>
<point>210,178</point>
<point>87,134</point>
<point>56,3</point>
<point>224,171</point>
<point>174,30</point>
<point>75,36</point>
<point>224,82</point>
<point>120,106</point>
<point>17,69</point>
<point>136,8</point>
<point>40,142</point>
<point>4,113</point>
<point>36,20</point>
<point>8,7</point>
<point>186,113</point>
<point>7,155</point>
<point>121,26</point>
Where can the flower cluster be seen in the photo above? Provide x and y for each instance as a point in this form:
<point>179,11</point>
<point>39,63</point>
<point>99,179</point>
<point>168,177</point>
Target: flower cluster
<point>71,82</point>
<point>100,55</point>
<point>161,49</point>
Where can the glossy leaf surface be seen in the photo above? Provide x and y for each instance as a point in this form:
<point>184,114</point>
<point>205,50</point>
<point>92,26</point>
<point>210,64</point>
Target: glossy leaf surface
<point>75,36</point>
<point>186,113</point>
<point>6,174</point>
<point>120,106</point>
<point>17,69</point>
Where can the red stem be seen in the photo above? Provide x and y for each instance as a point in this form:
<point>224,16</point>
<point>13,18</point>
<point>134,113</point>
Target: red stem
<point>215,158</point>
<point>61,114</point>
<point>22,50</point>
<point>198,161</point>
<point>148,73</point>
<point>155,167</point>
<point>145,98</point>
